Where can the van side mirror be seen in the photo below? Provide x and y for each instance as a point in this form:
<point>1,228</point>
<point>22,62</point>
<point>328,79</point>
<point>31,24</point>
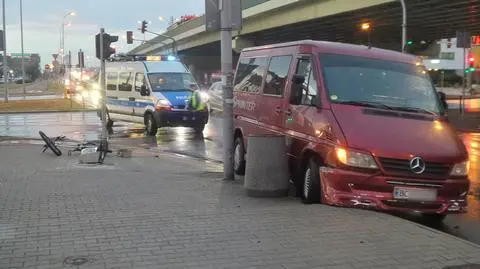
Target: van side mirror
<point>298,79</point>
<point>144,91</point>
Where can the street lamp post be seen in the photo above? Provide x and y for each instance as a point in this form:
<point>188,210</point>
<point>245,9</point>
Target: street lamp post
<point>62,51</point>
<point>23,52</point>
<point>404,24</point>
<point>5,81</point>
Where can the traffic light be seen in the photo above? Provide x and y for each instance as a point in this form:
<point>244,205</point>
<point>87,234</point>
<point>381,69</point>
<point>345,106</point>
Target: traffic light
<point>81,59</point>
<point>129,37</point>
<point>144,27</point>
<point>471,65</point>
<point>409,42</point>
<point>107,41</point>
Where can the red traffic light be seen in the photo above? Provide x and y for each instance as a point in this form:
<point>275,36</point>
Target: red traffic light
<point>471,59</point>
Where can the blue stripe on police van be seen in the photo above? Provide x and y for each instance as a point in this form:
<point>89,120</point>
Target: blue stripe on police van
<point>128,103</point>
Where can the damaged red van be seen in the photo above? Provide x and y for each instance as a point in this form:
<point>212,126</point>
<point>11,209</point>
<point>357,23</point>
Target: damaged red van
<point>364,126</point>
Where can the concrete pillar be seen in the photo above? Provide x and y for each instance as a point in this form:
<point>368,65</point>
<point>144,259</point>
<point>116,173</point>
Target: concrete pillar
<point>266,172</point>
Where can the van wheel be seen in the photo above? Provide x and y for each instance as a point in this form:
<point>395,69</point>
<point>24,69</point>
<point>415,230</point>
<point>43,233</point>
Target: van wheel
<point>311,183</point>
<point>434,218</point>
<point>199,128</point>
<point>239,157</point>
<point>150,125</point>
<point>109,121</point>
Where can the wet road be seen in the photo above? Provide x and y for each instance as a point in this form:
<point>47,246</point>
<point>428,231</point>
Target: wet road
<point>86,125</point>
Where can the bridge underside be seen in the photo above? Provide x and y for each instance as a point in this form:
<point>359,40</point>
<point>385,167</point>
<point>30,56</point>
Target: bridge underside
<point>427,20</point>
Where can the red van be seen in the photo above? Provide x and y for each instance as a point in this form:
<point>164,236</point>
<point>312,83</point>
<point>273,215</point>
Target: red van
<point>364,126</point>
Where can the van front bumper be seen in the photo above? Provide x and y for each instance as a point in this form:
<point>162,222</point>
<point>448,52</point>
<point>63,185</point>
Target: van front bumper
<point>375,191</point>
<point>180,118</point>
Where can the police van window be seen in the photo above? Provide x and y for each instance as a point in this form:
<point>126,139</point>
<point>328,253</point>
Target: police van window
<point>277,75</point>
<point>250,72</point>
<point>112,79</point>
<point>139,81</point>
<point>125,82</point>
<point>171,81</point>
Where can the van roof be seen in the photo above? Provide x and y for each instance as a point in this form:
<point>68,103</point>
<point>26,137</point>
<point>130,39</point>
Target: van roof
<point>148,66</point>
<point>343,48</point>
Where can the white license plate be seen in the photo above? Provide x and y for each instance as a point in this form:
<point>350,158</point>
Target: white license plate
<point>184,118</point>
<point>415,194</point>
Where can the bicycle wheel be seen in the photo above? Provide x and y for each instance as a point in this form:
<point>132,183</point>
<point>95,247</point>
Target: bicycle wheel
<point>50,144</point>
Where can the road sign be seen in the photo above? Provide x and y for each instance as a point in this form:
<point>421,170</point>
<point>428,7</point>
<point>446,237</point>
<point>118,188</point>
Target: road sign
<point>212,15</point>
<point>463,39</point>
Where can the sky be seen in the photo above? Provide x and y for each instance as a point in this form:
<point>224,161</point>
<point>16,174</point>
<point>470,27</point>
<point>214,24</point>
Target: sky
<point>42,21</point>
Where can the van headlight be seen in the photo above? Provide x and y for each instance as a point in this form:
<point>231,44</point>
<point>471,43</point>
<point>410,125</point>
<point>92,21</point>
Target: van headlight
<point>460,169</point>
<point>355,159</point>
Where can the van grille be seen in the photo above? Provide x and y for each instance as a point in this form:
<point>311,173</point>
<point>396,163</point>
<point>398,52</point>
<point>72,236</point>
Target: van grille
<point>401,167</point>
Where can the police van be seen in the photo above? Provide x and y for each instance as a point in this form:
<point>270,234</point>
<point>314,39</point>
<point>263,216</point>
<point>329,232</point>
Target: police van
<point>153,90</point>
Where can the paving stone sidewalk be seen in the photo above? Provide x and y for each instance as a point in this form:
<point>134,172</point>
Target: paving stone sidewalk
<point>175,212</point>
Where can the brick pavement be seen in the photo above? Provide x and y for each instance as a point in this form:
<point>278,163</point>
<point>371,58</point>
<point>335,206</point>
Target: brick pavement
<point>175,212</point>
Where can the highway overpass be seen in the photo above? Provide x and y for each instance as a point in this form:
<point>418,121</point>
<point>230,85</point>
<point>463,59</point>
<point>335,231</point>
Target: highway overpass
<point>273,21</point>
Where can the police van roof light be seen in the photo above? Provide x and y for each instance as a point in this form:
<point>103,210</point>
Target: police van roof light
<point>171,58</point>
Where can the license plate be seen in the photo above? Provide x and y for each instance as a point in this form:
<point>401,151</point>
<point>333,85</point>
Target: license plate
<point>184,118</point>
<point>415,194</point>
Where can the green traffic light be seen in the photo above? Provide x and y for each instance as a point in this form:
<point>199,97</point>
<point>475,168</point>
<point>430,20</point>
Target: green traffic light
<point>467,71</point>
<point>472,69</point>
<point>410,42</point>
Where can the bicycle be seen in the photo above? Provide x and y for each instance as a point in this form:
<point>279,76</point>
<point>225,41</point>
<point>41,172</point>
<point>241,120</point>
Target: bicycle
<point>50,143</point>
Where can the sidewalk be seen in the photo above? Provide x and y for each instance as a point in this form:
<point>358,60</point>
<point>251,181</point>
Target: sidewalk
<point>171,212</point>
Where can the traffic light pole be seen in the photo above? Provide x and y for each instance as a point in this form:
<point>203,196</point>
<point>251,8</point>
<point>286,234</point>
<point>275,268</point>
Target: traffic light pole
<point>174,42</point>
<point>227,79</point>
<point>464,86</point>
<point>102,89</point>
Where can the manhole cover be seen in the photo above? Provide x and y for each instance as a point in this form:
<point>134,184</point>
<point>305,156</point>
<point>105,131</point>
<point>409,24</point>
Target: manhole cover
<point>76,261</point>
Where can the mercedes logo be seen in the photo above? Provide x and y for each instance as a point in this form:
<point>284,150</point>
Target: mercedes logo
<point>417,165</point>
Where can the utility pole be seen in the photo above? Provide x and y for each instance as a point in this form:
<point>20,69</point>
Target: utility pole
<point>404,25</point>
<point>102,89</point>
<point>5,80</point>
<point>227,79</point>
<point>23,52</point>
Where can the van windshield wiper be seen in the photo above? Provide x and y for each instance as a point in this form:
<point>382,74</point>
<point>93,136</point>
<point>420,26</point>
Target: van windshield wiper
<point>367,104</point>
<point>414,109</point>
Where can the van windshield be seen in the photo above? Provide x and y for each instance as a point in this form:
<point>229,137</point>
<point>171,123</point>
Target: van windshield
<point>359,80</point>
<point>171,82</point>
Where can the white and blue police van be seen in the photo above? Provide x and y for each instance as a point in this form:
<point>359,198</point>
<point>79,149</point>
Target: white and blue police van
<point>152,90</point>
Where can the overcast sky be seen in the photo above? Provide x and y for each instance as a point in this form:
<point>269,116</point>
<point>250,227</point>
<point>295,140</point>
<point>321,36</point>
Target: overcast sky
<point>42,20</point>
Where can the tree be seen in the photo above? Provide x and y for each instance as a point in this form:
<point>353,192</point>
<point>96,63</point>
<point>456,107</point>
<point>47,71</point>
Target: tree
<point>33,71</point>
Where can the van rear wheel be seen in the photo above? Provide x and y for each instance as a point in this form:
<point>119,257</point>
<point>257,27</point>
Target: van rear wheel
<point>150,125</point>
<point>434,218</point>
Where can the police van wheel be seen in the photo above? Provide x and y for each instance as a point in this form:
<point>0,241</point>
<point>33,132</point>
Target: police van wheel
<point>150,125</point>
<point>199,128</point>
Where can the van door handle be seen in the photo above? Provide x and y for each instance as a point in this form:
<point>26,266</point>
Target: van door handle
<point>131,98</point>
<point>278,110</point>
<point>288,112</point>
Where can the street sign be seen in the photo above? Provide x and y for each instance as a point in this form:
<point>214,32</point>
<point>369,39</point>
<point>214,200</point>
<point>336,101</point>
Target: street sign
<point>212,15</point>
<point>463,39</point>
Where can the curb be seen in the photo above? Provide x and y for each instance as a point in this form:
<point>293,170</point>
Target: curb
<point>49,111</point>
<point>475,245</point>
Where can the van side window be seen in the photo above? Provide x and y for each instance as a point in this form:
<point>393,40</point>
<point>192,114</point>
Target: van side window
<point>277,75</point>
<point>309,87</point>
<point>112,81</point>
<point>249,76</point>
<point>125,82</point>
<point>139,81</point>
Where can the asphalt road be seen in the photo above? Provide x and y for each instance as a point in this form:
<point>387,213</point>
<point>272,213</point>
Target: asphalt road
<point>183,141</point>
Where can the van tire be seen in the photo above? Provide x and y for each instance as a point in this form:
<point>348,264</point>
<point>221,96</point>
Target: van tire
<point>150,125</point>
<point>109,121</point>
<point>311,183</point>
<point>239,156</point>
<point>199,128</point>
<point>433,217</point>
